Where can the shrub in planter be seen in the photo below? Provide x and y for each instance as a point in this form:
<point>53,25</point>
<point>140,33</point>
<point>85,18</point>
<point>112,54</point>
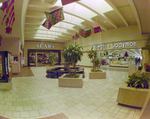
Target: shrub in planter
<point>72,55</point>
<point>138,81</point>
<point>52,58</point>
<point>93,70</point>
<point>92,54</point>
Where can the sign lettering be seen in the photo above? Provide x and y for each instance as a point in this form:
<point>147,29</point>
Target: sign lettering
<point>44,46</point>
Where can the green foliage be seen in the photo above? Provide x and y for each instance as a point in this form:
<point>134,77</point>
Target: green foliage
<point>148,44</point>
<point>72,54</point>
<point>92,54</point>
<point>138,80</point>
<point>93,70</point>
<point>72,75</point>
<point>52,58</point>
<point>96,62</point>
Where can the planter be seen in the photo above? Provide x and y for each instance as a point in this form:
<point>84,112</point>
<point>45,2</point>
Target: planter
<point>147,70</point>
<point>97,75</point>
<point>6,86</point>
<point>148,74</point>
<point>132,97</point>
<point>70,82</point>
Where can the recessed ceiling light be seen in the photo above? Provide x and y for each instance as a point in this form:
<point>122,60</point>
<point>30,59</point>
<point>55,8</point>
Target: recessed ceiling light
<point>1,4</point>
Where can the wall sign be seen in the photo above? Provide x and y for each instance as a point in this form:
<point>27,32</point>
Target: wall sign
<point>123,45</point>
<point>44,46</point>
<point>116,45</point>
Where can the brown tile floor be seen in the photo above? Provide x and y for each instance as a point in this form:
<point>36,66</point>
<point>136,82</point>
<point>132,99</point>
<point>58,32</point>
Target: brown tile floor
<point>25,71</point>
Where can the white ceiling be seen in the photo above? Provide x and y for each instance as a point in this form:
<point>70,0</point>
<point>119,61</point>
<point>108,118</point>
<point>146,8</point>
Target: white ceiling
<point>109,14</point>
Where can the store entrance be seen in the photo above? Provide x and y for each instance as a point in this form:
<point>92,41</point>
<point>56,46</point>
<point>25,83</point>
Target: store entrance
<point>120,57</point>
<point>43,57</point>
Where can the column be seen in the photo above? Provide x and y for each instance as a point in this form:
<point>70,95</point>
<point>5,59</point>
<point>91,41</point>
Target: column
<point>145,57</point>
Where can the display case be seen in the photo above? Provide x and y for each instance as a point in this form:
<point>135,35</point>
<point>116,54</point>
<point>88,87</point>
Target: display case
<point>5,67</point>
<point>119,63</point>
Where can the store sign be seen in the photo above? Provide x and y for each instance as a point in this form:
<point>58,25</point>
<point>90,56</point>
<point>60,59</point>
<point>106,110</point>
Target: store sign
<point>116,45</point>
<point>104,46</point>
<point>123,45</point>
<point>44,46</point>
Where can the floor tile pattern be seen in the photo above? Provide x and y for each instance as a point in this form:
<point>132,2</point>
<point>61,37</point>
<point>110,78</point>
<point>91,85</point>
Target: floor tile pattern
<point>25,71</point>
<point>36,96</point>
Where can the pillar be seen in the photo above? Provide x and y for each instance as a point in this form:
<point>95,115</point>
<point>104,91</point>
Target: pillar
<point>145,58</point>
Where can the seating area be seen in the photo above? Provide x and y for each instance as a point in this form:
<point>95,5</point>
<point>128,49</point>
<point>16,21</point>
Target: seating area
<point>56,72</point>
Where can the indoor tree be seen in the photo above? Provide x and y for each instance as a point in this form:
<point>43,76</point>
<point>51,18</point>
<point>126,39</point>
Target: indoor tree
<point>92,54</point>
<point>72,55</point>
<point>52,58</point>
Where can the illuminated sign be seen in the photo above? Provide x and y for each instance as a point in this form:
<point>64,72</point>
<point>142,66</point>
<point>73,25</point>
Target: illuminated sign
<point>116,45</point>
<point>123,45</point>
<point>44,46</point>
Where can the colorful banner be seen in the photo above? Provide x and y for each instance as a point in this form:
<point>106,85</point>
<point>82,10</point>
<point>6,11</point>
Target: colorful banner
<point>54,14</point>
<point>96,28</point>
<point>47,24</point>
<point>9,17</point>
<point>0,39</point>
<point>65,2</point>
<point>75,36</point>
<point>85,31</point>
<point>1,68</point>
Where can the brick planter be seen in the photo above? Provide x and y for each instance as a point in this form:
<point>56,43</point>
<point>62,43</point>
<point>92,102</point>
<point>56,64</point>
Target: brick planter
<point>97,75</point>
<point>132,97</point>
<point>70,82</point>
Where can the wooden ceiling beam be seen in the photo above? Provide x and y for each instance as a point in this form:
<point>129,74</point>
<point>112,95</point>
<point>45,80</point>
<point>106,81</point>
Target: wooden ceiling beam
<point>135,14</point>
<point>117,11</point>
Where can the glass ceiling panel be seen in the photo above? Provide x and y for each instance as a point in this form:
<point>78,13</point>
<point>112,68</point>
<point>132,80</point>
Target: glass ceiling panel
<point>79,10</point>
<point>100,6</point>
<point>64,25</point>
<point>48,32</point>
<point>46,35</point>
<point>72,19</point>
<point>44,38</point>
<point>52,29</point>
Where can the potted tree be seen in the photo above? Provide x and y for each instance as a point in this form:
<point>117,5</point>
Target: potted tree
<point>95,73</point>
<point>52,57</point>
<point>72,55</point>
<point>136,91</point>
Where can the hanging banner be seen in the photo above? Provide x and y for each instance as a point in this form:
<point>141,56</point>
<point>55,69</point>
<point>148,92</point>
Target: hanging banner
<point>0,39</point>
<point>65,2</point>
<point>9,17</point>
<point>54,14</point>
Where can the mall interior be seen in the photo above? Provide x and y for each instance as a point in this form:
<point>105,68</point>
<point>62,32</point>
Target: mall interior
<point>30,38</point>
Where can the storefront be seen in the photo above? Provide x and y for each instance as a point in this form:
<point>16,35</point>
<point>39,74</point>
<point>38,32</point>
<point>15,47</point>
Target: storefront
<point>113,54</point>
<point>37,53</point>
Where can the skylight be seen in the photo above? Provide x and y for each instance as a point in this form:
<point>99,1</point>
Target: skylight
<point>46,38</point>
<point>100,6</point>
<point>1,4</point>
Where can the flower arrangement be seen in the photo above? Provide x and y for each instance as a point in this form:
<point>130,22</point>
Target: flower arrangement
<point>147,66</point>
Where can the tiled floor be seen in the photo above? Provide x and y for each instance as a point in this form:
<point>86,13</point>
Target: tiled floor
<point>38,97</point>
<point>25,71</point>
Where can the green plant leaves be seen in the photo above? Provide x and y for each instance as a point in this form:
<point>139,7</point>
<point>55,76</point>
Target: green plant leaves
<point>138,80</point>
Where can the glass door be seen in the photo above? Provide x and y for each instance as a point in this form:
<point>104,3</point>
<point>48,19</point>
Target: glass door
<point>32,59</point>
